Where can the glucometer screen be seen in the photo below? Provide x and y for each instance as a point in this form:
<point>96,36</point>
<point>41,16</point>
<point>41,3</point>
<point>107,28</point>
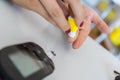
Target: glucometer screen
<point>25,63</point>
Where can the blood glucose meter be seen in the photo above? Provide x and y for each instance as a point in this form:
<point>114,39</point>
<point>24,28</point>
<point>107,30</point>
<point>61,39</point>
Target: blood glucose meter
<point>26,61</point>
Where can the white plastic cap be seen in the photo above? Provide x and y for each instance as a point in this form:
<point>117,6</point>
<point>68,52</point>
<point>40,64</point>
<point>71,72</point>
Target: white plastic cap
<point>72,34</point>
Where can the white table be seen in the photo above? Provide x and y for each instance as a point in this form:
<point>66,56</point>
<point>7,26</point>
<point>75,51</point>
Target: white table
<point>89,62</point>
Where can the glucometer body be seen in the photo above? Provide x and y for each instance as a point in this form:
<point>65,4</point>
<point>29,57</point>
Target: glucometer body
<point>26,61</point>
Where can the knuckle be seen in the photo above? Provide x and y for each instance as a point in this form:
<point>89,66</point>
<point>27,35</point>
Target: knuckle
<point>84,36</point>
<point>86,27</point>
<point>88,30</point>
<point>98,23</point>
<point>56,12</point>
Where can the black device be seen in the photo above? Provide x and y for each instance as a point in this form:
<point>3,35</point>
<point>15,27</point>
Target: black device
<point>118,75</point>
<point>26,61</point>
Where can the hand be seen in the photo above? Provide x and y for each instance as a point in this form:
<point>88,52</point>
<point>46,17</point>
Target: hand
<point>91,16</point>
<point>52,12</point>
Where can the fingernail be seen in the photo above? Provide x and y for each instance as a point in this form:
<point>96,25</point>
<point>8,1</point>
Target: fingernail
<point>81,24</point>
<point>67,31</point>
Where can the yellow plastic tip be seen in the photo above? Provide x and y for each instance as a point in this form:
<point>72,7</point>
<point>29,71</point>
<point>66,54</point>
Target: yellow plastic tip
<point>72,24</point>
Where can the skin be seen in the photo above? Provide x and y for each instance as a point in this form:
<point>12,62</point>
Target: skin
<point>55,15</point>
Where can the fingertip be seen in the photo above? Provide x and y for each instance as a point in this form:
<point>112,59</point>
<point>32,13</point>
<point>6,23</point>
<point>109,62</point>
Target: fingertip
<point>75,47</point>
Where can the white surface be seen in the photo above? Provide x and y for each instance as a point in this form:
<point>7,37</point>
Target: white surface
<point>89,62</point>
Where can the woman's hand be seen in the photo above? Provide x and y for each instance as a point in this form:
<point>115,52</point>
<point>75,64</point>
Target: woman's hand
<point>52,12</point>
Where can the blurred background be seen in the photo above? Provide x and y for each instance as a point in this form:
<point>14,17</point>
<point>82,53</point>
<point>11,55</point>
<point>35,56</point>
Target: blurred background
<point>109,11</point>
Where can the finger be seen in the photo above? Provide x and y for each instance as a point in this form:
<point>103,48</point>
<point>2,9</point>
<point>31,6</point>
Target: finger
<point>56,13</point>
<point>83,33</point>
<point>36,6</point>
<point>64,8</point>
<point>71,22</point>
<point>77,10</point>
<point>100,24</point>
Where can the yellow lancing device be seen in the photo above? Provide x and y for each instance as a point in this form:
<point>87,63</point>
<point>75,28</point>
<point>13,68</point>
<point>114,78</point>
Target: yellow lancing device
<point>73,27</point>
